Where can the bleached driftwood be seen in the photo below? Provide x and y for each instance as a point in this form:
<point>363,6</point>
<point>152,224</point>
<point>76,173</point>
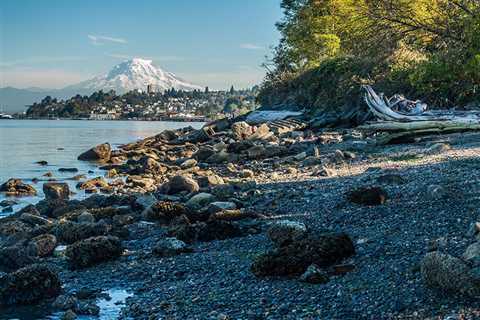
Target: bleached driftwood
<point>256,117</point>
<point>412,118</point>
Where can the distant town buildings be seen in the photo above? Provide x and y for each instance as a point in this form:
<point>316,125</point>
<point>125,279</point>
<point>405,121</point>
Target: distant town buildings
<point>150,89</point>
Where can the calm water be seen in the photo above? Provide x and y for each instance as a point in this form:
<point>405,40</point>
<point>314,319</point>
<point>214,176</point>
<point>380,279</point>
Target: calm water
<point>23,142</point>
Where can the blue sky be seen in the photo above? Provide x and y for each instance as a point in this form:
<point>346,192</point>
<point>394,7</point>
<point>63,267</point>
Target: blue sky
<point>54,43</point>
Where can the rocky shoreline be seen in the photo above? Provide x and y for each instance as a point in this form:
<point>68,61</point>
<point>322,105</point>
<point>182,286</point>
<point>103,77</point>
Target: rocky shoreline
<point>242,220</point>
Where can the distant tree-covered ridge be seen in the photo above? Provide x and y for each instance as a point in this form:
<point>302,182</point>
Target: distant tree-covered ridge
<point>427,49</point>
<point>137,104</point>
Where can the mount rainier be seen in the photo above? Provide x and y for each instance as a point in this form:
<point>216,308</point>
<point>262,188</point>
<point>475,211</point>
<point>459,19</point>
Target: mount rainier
<point>134,74</point>
<point>129,75</point>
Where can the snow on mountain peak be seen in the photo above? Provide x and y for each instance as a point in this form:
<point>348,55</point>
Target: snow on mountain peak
<point>133,74</point>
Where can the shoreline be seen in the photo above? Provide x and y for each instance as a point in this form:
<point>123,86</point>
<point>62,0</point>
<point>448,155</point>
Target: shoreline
<point>231,193</point>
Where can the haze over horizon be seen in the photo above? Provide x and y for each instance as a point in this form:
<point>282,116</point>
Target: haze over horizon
<point>53,44</point>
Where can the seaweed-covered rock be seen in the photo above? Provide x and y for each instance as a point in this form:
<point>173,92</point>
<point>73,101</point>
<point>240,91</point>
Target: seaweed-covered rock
<point>369,196</point>
<point>15,257</point>
<point>322,249</point>
<point>42,245</point>
<point>164,211</point>
<point>450,274</point>
<point>314,275</point>
<point>206,231</point>
<point>286,231</point>
<point>99,152</point>
<point>85,253</point>
<point>70,232</point>
<point>29,285</point>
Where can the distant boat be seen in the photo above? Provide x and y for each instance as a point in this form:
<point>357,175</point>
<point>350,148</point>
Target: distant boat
<point>5,116</point>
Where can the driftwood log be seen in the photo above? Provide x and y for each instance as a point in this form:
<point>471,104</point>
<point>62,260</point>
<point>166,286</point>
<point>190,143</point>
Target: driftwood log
<point>400,118</point>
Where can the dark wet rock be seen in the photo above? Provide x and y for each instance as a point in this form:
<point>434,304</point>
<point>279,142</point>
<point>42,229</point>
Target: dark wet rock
<point>285,231</point>
<point>122,220</point>
<point>15,257</point>
<point>13,227</point>
<point>68,169</point>
<point>449,274</point>
<point>369,196</point>
<point>322,249</point>
<point>203,153</point>
<point>65,302</point>
<point>217,206</point>
<point>146,165</point>
<point>42,245</point>
<point>69,315</point>
<point>171,247</point>
<point>164,211</point>
<point>42,162</point>
<point>29,285</point>
<point>99,152</point>
<point>87,308</point>
<point>238,147</point>
<point>86,217</point>
<point>7,203</point>
<point>94,250</point>
<point>33,219</point>
<point>56,190</point>
<point>70,232</point>
<point>7,210</point>
<point>178,184</point>
<point>314,275</point>
<point>15,187</point>
<point>472,254</point>
<point>48,174</point>
<point>206,231</point>
<point>220,157</point>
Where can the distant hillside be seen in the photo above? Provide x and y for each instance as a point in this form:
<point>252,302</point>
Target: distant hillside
<point>14,100</point>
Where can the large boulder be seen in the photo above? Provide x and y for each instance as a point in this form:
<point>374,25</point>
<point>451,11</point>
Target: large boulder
<point>15,187</point>
<point>164,211</point>
<point>97,153</point>
<point>15,257</point>
<point>200,200</point>
<point>322,249</point>
<point>29,285</point>
<point>42,245</point>
<point>56,190</point>
<point>178,184</point>
<point>241,130</point>
<point>449,274</point>
<point>70,232</point>
<point>92,251</point>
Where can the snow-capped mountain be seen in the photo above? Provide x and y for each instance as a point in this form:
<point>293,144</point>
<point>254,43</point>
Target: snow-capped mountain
<point>134,74</point>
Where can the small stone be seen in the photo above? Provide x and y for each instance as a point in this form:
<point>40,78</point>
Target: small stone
<point>369,196</point>
<point>42,163</point>
<point>69,315</point>
<point>171,247</point>
<point>314,275</point>
<point>178,184</point>
<point>189,163</point>
<point>221,205</point>
<point>436,192</point>
<point>438,148</point>
<point>292,170</point>
<point>247,173</point>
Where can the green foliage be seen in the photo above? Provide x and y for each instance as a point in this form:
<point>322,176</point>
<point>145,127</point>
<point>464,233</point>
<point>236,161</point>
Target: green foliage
<point>427,49</point>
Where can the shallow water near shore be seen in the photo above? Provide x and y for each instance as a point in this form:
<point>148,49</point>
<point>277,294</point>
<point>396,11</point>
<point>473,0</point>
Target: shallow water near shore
<point>59,142</point>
